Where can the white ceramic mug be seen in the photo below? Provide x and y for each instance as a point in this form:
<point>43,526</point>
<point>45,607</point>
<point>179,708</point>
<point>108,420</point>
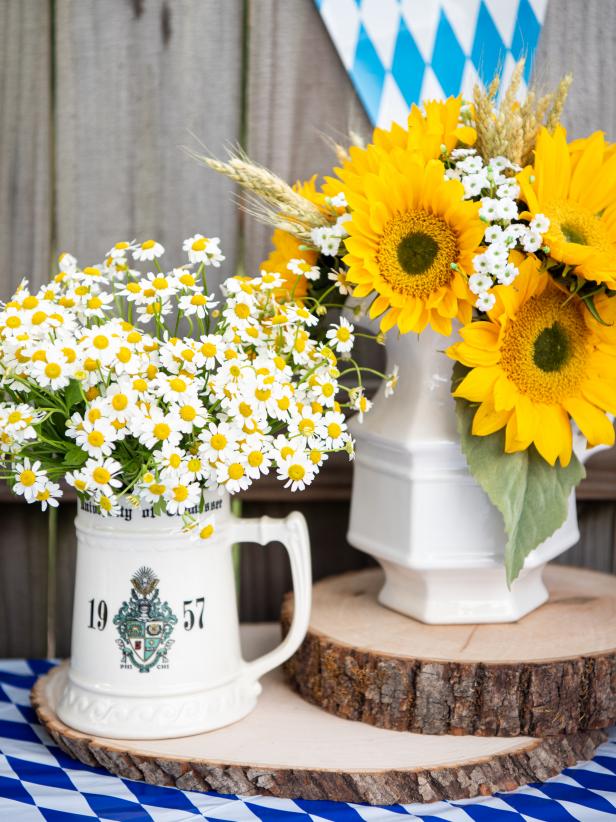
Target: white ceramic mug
<point>155,644</point>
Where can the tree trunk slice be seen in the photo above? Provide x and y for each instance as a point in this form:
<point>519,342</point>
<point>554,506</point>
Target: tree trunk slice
<point>288,748</point>
<point>552,672</point>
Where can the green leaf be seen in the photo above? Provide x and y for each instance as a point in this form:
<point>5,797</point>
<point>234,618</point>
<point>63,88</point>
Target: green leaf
<point>73,393</point>
<point>531,495</point>
<point>75,457</point>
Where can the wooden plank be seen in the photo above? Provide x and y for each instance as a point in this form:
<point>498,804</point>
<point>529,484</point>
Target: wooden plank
<point>132,79</point>
<point>25,134</point>
<point>23,582</point>
<point>579,37</point>
<point>297,91</point>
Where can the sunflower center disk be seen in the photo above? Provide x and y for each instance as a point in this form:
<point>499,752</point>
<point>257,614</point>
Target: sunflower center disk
<point>579,225</point>
<point>544,351</point>
<point>552,348</point>
<point>416,252</point>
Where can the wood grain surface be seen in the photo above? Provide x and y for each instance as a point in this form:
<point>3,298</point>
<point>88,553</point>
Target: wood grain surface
<point>552,672</point>
<point>291,749</point>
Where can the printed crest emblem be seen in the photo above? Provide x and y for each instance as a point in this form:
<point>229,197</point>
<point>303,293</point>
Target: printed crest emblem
<point>144,623</point>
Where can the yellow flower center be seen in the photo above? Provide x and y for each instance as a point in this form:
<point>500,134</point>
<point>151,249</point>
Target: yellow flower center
<point>194,464</point>
<point>208,349</point>
<point>38,317</point>
<point>160,283</point>
<point>100,341</point>
<point>218,442</point>
<point>236,471</point>
<point>334,430</point>
<point>148,244</point>
<point>124,354</point>
<point>315,456</point>
<point>177,384</point>
<point>94,303</point>
<point>158,489</point>
<point>101,475</point>
<point>96,439</point>
<point>94,414</point>
<point>255,458</point>
<point>30,302</point>
<point>27,478</point>
<point>206,532</point>
<point>199,245</point>
<point>297,472</point>
<point>175,460</point>
<point>306,426</point>
<point>242,311</point>
<point>245,409</point>
<point>52,370</point>
<point>286,452</point>
<point>544,349</point>
<point>180,493</point>
<point>119,402</point>
<point>416,252</point>
<point>161,431</point>
<point>197,299</point>
<point>572,223</point>
<point>188,413</point>
<point>44,495</point>
<point>13,322</point>
<point>187,279</point>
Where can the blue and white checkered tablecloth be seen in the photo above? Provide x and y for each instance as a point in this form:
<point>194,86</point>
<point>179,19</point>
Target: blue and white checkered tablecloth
<point>39,782</point>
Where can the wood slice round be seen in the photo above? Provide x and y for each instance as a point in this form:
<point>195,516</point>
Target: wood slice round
<point>552,672</point>
<point>291,749</point>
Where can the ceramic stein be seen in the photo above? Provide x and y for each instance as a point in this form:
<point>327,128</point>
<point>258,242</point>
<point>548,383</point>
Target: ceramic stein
<point>155,644</point>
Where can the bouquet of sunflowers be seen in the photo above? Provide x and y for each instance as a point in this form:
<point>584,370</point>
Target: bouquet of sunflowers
<point>141,385</point>
<point>478,220</point>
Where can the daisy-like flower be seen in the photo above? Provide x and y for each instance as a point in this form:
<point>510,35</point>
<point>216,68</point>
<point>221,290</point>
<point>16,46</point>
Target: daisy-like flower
<point>332,429</point>
<point>202,249</point>
<point>100,475</point>
<point>97,438</point>
<point>233,473</point>
<point>154,428</point>
<point>302,268</point>
<point>30,478</point>
<point>296,472</point>
<point>148,250</point>
<point>360,403</point>
<point>341,336</point>
<point>391,383</point>
<point>108,504</point>
<point>218,441</point>
<point>55,371</point>
<point>203,529</point>
<point>198,303</point>
<point>182,494</point>
<point>339,277</point>
<point>49,495</point>
<point>257,460</point>
<point>188,414</point>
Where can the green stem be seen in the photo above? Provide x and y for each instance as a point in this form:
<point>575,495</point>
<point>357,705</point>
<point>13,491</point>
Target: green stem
<point>52,553</point>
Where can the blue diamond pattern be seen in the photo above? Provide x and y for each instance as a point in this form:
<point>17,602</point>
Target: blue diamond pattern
<point>448,59</point>
<point>387,94</point>
<point>488,49</point>
<point>368,74</point>
<point>525,36</point>
<point>408,66</point>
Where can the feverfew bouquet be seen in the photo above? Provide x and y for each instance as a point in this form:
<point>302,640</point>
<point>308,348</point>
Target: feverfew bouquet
<point>479,220</point>
<point>211,395</point>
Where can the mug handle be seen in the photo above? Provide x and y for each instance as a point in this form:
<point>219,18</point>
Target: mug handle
<point>292,532</point>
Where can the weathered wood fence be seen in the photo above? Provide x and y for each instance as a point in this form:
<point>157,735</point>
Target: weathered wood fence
<point>96,98</point>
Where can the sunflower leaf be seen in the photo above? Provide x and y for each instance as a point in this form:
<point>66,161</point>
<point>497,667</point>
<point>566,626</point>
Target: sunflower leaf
<point>531,495</point>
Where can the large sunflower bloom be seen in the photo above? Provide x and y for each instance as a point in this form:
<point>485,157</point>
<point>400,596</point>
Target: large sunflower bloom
<point>411,239</point>
<point>575,187</point>
<point>538,362</point>
<point>286,247</point>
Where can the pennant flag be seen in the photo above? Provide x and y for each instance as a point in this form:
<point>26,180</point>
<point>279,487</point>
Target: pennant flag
<point>399,52</point>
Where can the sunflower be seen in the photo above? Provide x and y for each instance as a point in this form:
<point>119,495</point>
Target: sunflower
<point>287,247</point>
<point>575,187</point>
<point>426,132</point>
<point>411,238</point>
<point>539,361</point>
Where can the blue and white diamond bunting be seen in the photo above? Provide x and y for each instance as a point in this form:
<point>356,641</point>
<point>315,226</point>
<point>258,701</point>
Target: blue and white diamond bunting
<point>399,52</point>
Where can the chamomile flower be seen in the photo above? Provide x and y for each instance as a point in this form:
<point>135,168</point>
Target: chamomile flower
<point>97,438</point>
<point>204,529</point>
<point>301,268</point>
<point>182,494</point>
<point>148,250</point>
<point>332,429</point>
<point>153,428</point>
<point>218,441</point>
<point>296,472</point>
<point>341,336</point>
<point>108,504</point>
<point>101,475</point>
<point>258,461</point>
<point>48,495</point>
<point>233,473</point>
<point>391,382</point>
<point>30,478</point>
<point>202,249</point>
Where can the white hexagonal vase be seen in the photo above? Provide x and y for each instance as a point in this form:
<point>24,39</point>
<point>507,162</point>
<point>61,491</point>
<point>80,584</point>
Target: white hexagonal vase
<point>418,511</point>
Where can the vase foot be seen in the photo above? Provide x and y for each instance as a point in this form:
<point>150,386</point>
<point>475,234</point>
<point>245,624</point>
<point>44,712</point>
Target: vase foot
<point>460,596</point>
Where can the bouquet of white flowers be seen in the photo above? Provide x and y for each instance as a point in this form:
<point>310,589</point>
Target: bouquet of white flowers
<point>211,395</point>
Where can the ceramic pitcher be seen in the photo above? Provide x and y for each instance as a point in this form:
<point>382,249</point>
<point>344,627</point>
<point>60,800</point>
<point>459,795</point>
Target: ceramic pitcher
<point>155,643</point>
